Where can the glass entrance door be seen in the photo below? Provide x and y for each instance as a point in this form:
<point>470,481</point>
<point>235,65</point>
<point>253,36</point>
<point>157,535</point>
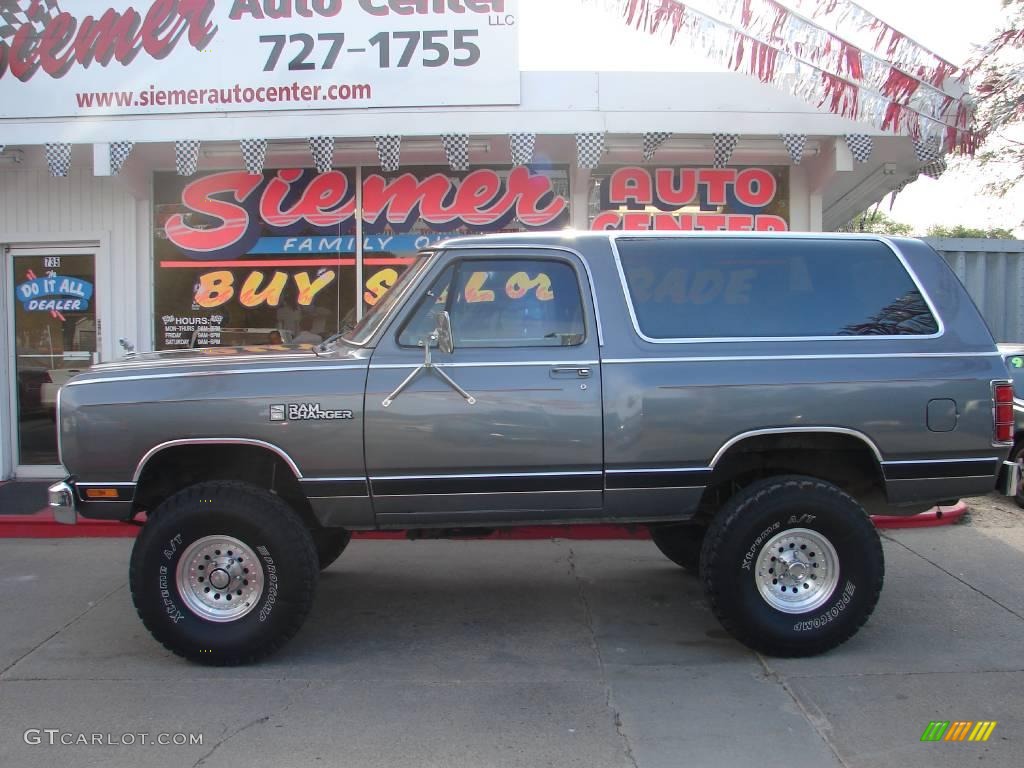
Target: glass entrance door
<point>54,328</point>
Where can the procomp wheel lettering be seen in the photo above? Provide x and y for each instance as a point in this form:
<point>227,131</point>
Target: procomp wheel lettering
<point>831,614</point>
<point>749,557</point>
<point>271,582</point>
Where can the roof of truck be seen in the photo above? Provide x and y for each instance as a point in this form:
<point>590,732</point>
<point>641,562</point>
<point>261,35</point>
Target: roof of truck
<point>569,236</point>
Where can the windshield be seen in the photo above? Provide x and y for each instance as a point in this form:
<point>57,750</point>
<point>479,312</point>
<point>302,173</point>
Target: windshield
<point>362,331</point>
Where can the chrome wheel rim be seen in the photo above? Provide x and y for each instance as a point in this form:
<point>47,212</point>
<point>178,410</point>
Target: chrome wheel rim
<point>797,571</point>
<point>219,578</point>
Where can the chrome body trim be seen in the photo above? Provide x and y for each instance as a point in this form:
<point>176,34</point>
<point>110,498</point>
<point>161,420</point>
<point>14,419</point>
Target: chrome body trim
<point>128,365</point>
<point>658,469</point>
<point>221,372</point>
<point>796,430</point>
<point>61,499</point>
<point>360,478</point>
<point>616,236</point>
<point>60,451</point>
<point>589,473</point>
<point>215,441</point>
<point>495,364</point>
<point>756,358</point>
<point>1010,478</point>
<point>939,461</point>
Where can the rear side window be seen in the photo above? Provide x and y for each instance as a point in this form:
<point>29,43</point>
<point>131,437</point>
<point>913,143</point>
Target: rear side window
<point>733,288</point>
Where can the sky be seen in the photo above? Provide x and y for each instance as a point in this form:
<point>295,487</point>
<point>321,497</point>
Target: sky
<point>566,34</point>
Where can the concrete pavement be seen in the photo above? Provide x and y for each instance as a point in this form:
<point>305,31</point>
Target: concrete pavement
<point>521,653</point>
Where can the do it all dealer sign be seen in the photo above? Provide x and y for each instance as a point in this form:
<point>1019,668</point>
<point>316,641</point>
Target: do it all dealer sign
<point>62,58</point>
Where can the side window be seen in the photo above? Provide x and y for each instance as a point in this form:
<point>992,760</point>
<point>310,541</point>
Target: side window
<point>746,288</point>
<point>503,303</point>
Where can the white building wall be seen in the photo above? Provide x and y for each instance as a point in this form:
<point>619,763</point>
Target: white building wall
<point>38,210</point>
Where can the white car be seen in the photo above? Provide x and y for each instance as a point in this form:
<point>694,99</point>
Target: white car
<point>58,377</point>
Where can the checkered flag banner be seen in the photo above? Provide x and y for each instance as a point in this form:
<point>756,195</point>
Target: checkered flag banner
<point>322,150</point>
<point>186,157</point>
<point>521,146</point>
<point>16,13</point>
<point>119,151</point>
<point>653,142</point>
<point>935,168</point>
<point>927,150</point>
<point>58,157</point>
<point>795,145</point>
<point>903,185</point>
<point>254,154</point>
<point>725,144</point>
<point>861,146</point>
<point>589,149</point>
<point>456,149</point>
<point>389,152</point>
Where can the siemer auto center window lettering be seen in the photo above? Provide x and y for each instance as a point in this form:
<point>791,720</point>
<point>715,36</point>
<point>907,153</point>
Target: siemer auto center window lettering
<point>736,199</point>
<point>730,288</point>
<point>271,258</point>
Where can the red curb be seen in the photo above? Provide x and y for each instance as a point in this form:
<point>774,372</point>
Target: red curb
<point>931,519</point>
<point>41,525</point>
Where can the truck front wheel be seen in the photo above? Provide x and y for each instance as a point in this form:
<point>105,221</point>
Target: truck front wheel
<point>792,566</point>
<point>223,573</point>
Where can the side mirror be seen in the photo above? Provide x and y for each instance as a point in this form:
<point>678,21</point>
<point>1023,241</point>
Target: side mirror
<point>443,331</point>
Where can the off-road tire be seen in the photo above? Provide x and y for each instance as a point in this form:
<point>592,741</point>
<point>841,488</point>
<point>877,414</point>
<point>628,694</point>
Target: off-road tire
<point>738,538</point>
<point>330,543</point>
<point>283,552</point>
<point>680,543</point>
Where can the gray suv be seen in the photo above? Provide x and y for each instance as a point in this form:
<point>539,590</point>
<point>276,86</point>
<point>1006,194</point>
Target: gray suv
<point>750,398</point>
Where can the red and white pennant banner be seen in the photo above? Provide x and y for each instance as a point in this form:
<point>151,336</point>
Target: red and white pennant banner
<point>861,26</point>
<point>773,22</point>
<point>765,39</point>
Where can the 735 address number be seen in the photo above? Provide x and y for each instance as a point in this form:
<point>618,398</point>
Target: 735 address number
<point>435,49</point>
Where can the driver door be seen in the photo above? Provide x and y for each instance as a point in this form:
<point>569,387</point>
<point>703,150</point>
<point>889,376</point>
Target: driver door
<point>529,448</point>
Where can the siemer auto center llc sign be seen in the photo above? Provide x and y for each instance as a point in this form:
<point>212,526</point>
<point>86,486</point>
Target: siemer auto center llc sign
<point>133,57</point>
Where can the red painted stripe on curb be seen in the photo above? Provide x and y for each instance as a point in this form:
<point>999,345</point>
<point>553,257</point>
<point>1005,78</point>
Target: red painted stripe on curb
<point>41,525</point>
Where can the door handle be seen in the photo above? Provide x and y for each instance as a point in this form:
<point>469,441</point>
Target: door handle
<point>570,373</point>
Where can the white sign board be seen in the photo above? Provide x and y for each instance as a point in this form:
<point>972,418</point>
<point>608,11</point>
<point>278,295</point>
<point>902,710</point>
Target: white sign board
<point>90,58</point>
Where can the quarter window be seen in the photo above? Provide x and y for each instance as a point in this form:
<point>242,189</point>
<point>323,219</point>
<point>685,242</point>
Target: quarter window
<point>503,303</point>
<point>731,288</point>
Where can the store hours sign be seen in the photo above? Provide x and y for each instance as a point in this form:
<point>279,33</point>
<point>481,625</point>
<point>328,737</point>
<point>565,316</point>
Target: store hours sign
<point>104,57</point>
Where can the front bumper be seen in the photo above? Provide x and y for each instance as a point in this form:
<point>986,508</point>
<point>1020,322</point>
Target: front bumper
<point>62,501</point>
<point>1009,482</point>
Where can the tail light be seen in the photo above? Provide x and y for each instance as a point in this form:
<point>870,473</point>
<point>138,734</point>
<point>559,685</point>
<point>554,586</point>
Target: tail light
<point>1002,415</point>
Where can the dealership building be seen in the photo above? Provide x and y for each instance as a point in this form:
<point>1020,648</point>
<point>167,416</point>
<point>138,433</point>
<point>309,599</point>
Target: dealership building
<point>182,173</point>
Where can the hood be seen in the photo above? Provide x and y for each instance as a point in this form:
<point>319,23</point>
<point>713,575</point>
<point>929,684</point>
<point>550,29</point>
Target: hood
<point>208,355</point>
<point>213,359</point>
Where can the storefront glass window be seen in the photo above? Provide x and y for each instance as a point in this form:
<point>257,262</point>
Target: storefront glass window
<point>683,198</point>
<point>271,258</point>
<point>243,259</point>
<point>412,209</point>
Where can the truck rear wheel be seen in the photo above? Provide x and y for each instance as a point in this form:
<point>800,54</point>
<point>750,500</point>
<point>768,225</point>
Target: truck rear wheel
<point>329,545</point>
<point>792,566</point>
<point>223,573</point>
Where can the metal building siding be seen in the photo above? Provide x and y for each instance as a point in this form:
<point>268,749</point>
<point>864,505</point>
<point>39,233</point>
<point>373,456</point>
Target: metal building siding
<point>36,208</point>
<point>993,272</point>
